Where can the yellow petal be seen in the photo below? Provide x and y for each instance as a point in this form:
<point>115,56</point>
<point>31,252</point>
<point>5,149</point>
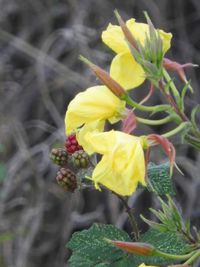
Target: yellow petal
<point>101,142</point>
<point>126,71</point>
<point>140,30</point>
<point>122,165</point>
<point>166,38</point>
<point>143,265</point>
<point>91,127</point>
<point>96,103</point>
<point>113,37</point>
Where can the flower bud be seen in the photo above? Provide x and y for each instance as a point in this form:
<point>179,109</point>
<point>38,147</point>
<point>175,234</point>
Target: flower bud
<point>138,248</point>
<point>106,79</point>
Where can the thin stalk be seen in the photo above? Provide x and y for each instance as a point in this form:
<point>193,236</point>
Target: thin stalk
<point>154,122</point>
<point>172,103</point>
<point>172,86</point>
<point>131,216</point>
<point>172,256</point>
<point>176,130</point>
<point>145,108</point>
<point>195,256</point>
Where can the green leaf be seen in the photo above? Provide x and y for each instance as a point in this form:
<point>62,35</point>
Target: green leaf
<point>90,248</point>
<point>165,242</point>
<point>159,180</point>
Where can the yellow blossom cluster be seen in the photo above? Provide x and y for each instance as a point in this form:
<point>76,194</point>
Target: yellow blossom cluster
<point>122,165</point>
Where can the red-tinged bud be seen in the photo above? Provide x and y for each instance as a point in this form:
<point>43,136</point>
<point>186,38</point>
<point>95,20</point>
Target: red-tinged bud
<point>179,68</point>
<point>127,33</point>
<point>105,78</point>
<point>166,145</point>
<point>129,122</point>
<point>138,248</point>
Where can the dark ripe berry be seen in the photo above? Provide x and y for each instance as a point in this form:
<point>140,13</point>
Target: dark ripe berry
<point>80,159</point>
<point>66,179</point>
<point>59,156</point>
<point>71,144</point>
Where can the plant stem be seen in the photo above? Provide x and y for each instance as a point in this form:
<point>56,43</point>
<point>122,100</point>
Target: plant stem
<point>174,257</point>
<point>154,122</point>
<point>145,108</point>
<point>176,130</point>
<point>172,86</point>
<point>172,103</point>
<point>193,257</point>
<point>131,216</point>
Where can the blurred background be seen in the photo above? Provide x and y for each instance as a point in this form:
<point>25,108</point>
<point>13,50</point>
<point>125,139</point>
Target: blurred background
<point>40,42</point>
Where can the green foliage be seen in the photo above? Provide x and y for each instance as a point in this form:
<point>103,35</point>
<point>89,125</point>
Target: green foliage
<point>90,248</point>
<point>171,221</point>
<point>165,242</point>
<point>159,180</point>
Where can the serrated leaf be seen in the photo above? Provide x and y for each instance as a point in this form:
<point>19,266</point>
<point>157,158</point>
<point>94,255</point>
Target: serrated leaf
<point>90,248</point>
<point>165,242</point>
<point>159,180</point>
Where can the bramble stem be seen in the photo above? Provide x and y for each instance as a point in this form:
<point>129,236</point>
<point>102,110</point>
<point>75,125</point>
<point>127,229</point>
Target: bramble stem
<point>172,103</point>
<point>131,216</point>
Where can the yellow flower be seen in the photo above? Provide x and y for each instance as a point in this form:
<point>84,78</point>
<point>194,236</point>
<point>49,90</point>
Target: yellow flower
<point>122,165</point>
<point>124,68</point>
<point>143,265</point>
<point>95,104</point>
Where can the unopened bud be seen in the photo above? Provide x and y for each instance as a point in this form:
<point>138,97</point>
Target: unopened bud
<point>105,78</point>
<point>127,33</point>
<point>138,248</point>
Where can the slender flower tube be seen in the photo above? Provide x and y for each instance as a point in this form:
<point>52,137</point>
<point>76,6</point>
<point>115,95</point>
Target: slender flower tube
<point>124,67</point>
<point>122,165</point>
<point>97,103</point>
